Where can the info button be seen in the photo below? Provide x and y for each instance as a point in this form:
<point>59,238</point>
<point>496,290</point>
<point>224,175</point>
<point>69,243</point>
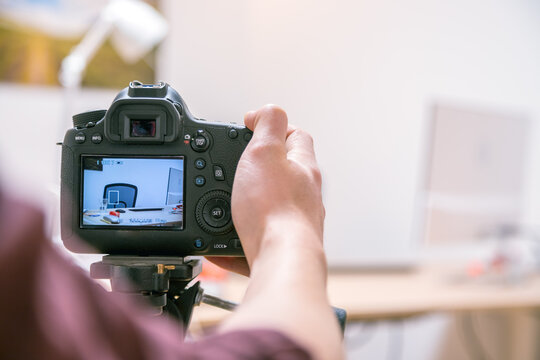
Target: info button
<point>97,138</point>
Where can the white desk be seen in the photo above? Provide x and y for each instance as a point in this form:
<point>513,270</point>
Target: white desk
<point>392,295</point>
<point>167,216</point>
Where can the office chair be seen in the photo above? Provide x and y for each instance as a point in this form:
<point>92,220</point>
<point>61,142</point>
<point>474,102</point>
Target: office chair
<point>124,194</point>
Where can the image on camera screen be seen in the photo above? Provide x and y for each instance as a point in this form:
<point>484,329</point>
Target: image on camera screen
<point>134,192</point>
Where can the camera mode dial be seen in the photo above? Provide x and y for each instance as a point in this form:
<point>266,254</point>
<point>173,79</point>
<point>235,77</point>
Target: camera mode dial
<point>213,212</point>
<point>83,119</point>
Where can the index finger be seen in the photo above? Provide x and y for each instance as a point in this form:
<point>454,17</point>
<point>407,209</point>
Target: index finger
<point>300,148</point>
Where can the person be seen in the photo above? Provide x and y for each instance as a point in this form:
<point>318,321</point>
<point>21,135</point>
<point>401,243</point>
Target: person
<point>50,309</point>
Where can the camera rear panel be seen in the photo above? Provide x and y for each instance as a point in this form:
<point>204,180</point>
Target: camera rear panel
<point>148,178</point>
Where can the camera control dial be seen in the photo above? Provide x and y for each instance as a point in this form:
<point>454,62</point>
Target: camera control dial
<point>213,212</point>
<point>82,120</point>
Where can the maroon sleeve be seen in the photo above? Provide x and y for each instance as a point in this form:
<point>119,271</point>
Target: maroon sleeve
<point>245,344</point>
<point>50,309</point>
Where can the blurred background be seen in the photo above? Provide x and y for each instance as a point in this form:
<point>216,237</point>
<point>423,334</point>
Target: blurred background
<point>425,117</point>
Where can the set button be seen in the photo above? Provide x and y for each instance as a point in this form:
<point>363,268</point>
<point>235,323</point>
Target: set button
<point>216,212</point>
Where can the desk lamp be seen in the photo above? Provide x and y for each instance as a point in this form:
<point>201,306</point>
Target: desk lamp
<point>135,28</point>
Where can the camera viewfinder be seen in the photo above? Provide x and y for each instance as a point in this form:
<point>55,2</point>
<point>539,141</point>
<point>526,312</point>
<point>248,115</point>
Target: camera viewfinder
<point>143,128</point>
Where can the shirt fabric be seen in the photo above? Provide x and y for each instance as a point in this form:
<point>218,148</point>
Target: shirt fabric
<point>51,309</point>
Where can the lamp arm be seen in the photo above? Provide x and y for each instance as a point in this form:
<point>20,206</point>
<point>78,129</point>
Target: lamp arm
<point>73,65</point>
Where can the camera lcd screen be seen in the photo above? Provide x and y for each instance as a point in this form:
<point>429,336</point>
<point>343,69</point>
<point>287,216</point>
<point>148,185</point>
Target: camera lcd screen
<point>132,192</point>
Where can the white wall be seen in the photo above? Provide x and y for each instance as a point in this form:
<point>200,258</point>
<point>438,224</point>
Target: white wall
<point>361,76</point>
<point>32,120</point>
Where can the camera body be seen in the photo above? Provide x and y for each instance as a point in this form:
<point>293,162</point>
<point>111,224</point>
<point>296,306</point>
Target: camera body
<point>146,177</point>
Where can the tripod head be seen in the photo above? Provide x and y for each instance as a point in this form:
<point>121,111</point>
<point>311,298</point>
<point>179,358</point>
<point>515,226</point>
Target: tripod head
<point>163,281</point>
<point>167,284</point>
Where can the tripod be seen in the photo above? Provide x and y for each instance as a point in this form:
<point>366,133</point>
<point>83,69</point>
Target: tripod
<point>163,282</point>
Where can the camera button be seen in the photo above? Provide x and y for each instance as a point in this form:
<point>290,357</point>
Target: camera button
<point>198,243</point>
<point>235,244</point>
<point>233,133</point>
<point>80,138</point>
<point>97,138</point>
<point>217,213</point>
<point>248,136</point>
<point>200,143</point>
<point>178,108</point>
<point>213,212</point>
<point>218,173</point>
<point>200,163</point>
<point>90,124</point>
<point>200,180</point>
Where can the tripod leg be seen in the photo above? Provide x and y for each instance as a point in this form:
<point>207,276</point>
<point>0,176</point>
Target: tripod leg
<point>180,303</point>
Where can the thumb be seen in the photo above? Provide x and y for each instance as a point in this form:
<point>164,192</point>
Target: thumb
<point>269,124</point>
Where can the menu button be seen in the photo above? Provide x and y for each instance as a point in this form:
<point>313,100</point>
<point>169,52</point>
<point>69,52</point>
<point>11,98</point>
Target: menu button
<point>80,138</point>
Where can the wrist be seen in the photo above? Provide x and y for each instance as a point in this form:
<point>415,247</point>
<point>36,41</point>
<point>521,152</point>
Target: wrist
<point>292,230</point>
<point>290,256</point>
<point>293,244</point>
<point>284,233</point>
<point>285,238</point>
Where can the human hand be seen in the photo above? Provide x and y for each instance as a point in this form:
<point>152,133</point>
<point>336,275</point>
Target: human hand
<point>277,184</point>
<point>278,213</point>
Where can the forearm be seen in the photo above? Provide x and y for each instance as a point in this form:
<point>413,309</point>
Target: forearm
<point>287,290</point>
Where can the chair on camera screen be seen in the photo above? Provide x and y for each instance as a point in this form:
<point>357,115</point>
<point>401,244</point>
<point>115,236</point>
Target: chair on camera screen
<point>120,195</point>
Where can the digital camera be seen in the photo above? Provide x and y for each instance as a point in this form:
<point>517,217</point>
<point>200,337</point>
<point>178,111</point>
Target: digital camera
<point>146,177</point>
